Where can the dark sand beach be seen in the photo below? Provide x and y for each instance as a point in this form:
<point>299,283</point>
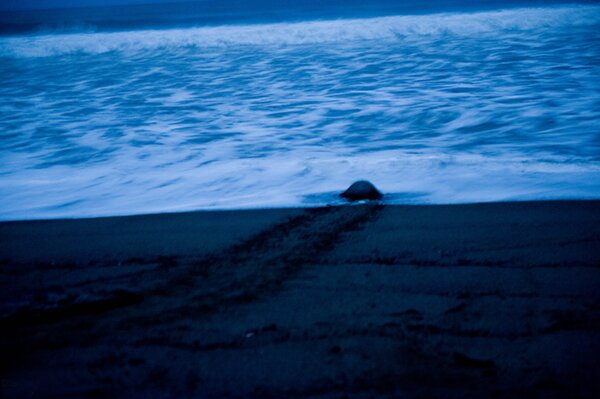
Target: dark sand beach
<point>483,300</point>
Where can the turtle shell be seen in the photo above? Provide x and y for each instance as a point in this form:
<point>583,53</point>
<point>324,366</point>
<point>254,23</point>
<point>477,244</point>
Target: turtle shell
<point>361,190</point>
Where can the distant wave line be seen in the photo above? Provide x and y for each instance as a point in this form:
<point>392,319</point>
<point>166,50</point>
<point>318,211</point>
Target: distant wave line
<point>297,33</point>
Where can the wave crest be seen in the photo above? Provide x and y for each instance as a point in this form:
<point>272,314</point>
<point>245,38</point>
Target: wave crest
<point>281,34</point>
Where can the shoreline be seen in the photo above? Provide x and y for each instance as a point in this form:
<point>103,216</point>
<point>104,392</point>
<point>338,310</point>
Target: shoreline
<point>364,301</point>
<point>341,203</point>
<point>170,227</point>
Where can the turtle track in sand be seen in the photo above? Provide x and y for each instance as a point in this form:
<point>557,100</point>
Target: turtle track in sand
<point>251,269</point>
<point>246,271</point>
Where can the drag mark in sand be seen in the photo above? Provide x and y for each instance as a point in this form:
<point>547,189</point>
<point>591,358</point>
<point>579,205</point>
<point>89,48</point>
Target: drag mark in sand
<point>258,266</point>
<point>246,271</point>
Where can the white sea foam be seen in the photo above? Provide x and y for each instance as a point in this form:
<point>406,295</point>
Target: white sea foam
<point>336,31</point>
<point>290,181</point>
<point>440,108</point>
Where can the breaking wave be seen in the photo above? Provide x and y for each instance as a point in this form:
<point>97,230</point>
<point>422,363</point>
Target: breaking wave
<point>282,34</point>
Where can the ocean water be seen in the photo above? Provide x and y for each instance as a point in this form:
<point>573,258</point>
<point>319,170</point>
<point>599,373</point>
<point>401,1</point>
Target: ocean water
<point>446,105</point>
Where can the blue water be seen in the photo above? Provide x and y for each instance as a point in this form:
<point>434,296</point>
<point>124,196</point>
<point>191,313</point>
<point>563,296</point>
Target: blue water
<point>434,105</point>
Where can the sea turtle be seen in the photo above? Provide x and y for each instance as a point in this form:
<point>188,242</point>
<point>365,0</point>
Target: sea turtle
<point>361,190</point>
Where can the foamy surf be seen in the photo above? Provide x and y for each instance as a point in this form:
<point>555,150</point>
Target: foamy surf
<point>438,108</point>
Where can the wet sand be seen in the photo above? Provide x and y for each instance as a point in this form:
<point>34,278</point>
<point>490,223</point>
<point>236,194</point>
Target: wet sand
<point>358,301</point>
